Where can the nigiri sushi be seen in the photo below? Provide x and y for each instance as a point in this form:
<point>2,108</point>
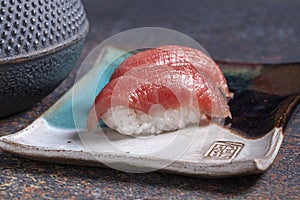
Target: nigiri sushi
<point>176,56</point>
<point>151,98</point>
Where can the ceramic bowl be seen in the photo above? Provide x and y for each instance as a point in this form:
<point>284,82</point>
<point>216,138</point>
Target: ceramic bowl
<point>40,42</point>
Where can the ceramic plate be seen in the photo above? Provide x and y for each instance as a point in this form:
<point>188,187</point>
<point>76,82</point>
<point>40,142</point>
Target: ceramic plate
<point>248,143</point>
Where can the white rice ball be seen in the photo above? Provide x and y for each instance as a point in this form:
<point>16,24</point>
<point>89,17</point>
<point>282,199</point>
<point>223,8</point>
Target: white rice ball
<point>129,121</point>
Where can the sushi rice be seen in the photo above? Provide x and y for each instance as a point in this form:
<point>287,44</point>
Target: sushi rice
<point>129,121</point>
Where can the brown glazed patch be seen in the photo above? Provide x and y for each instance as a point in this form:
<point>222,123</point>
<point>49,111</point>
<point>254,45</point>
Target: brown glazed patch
<point>254,113</point>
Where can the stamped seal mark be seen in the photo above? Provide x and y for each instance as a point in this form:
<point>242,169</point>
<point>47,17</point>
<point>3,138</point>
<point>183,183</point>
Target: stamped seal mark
<point>224,149</point>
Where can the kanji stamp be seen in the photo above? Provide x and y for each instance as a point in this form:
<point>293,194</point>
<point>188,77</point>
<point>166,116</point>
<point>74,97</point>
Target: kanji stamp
<point>224,149</point>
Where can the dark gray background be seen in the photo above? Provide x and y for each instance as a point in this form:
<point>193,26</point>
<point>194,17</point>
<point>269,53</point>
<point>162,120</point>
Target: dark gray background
<point>238,31</point>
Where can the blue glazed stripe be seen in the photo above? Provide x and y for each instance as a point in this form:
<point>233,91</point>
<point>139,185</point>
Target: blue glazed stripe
<point>70,112</point>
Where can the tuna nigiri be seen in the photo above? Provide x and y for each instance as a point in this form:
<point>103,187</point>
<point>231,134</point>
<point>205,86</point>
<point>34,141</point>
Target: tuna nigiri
<point>176,56</point>
<point>153,98</point>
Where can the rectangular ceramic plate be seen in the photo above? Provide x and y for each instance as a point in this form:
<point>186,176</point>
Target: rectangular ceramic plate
<point>59,135</point>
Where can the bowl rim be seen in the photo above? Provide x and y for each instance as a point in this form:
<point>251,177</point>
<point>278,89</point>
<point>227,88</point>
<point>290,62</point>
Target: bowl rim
<point>48,50</point>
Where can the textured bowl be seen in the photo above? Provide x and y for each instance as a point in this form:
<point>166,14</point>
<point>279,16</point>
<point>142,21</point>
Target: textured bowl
<point>40,42</point>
